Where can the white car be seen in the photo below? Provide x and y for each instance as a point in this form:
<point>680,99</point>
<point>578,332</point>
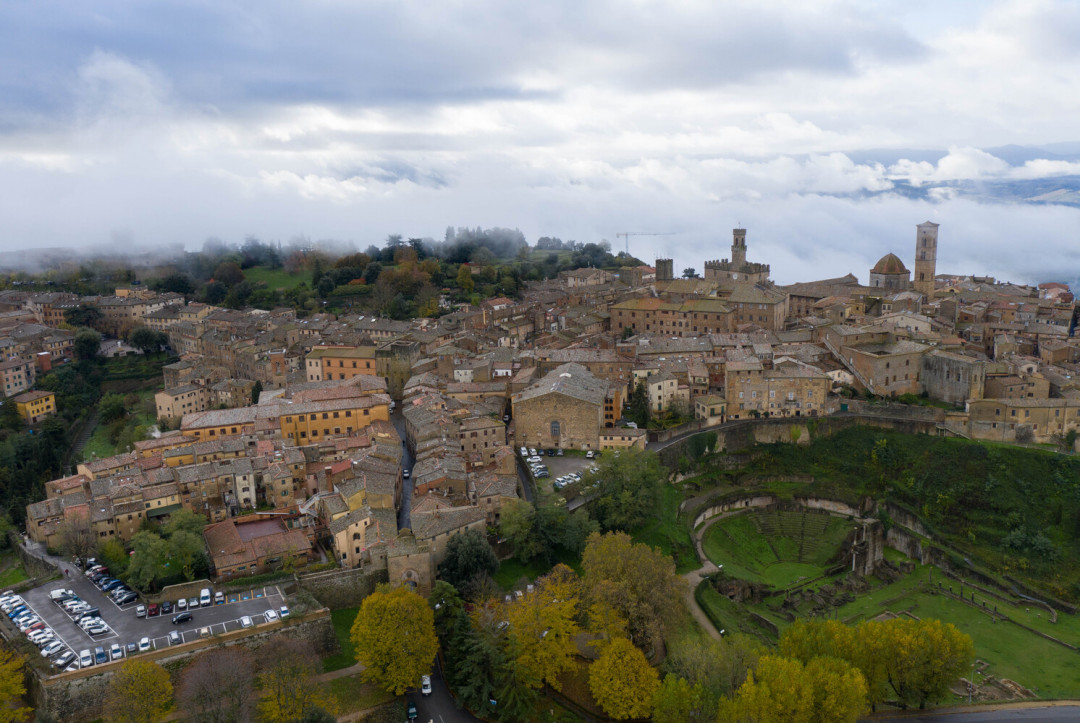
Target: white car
<point>52,649</point>
<point>406,473</point>
<point>590,454</point>
<point>532,451</point>
<point>85,659</point>
<point>270,615</point>
<point>524,452</point>
<point>425,685</point>
<point>535,458</point>
<point>144,645</point>
<point>245,622</point>
<point>115,652</point>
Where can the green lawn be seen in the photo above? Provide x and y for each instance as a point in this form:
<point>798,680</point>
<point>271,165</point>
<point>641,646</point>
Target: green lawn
<point>1050,670</point>
<point>100,444</point>
<point>352,695</point>
<point>669,534</point>
<point>343,620</point>
<point>511,570</point>
<point>277,278</point>
<point>12,570</point>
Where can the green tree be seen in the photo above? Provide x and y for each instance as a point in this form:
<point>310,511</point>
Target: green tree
<point>629,483</point>
<point>10,419</point>
<point>716,667</point>
<point>394,637</point>
<point>923,658</point>
<point>185,550</point>
<point>677,701</point>
<point>150,555</point>
<point>86,344</point>
<point>12,688</point>
<point>622,681</point>
<point>139,692</point>
<point>637,408</point>
<point>147,340</point>
<point>112,407</point>
<point>468,557</point>
<point>465,280</point>
<point>256,390</point>
<point>184,520</point>
<point>83,315</point>
<point>516,525</point>
<point>228,273</point>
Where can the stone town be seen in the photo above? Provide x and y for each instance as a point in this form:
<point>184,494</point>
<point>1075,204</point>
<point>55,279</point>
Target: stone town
<point>350,403</point>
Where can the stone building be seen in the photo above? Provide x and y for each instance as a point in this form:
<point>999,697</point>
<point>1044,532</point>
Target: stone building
<point>564,409</point>
<point>952,378</point>
<point>890,274</point>
<point>788,389</point>
<point>176,402</point>
<point>738,269</point>
<point>1001,419</point>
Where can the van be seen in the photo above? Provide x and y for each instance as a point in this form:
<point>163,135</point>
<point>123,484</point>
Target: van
<point>57,594</point>
<point>204,597</point>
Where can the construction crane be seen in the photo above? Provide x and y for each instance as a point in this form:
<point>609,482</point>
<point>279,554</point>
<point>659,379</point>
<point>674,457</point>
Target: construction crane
<point>627,234</point>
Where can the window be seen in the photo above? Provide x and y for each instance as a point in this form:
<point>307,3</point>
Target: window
<point>554,429</point>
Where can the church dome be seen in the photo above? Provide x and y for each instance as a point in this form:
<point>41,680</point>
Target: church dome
<point>889,264</point>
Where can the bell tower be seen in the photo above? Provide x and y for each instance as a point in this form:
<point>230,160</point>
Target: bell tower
<point>925,258</point>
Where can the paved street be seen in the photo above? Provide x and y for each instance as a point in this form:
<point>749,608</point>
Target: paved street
<point>1036,713</point>
<point>439,706</point>
<point>407,461</point>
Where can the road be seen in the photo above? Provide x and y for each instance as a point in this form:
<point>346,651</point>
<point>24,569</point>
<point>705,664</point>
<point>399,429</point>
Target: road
<point>439,706</point>
<point>1034,713</point>
<point>405,513</point>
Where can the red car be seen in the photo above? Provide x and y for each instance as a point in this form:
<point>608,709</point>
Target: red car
<point>152,609</point>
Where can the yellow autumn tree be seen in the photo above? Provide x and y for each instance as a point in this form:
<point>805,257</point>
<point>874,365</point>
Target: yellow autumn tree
<point>542,626</point>
<point>923,658</point>
<point>779,691</point>
<point>140,692</point>
<point>839,690</point>
<point>394,637</point>
<point>11,688</point>
<point>679,701</point>
<point>623,682</point>
<point>805,640</point>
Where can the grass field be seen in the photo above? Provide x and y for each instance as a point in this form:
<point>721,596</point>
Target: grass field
<point>670,535</point>
<point>1050,670</point>
<point>350,694</point>
<point>99,442</point>
<point>776,548</point>
<point>342,620</point>
<point>277,278</point>
<point>12,571</point>
<point>511,570</point>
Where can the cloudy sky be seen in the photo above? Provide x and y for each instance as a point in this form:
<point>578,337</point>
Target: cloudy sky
<point>828,129</point>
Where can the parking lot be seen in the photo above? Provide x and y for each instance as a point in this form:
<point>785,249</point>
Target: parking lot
<point>126,627</point>
<point>559,466</point>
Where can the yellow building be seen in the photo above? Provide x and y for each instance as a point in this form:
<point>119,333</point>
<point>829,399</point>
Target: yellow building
<point>35,406</point>
<point>341,362</point>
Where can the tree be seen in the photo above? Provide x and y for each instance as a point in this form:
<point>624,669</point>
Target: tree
<point>623,682</point>
<point>778,691</point>
<point>689,273</point>
<point>256,390</point>
<point>184,520</point>
<point>86,344</point>
<point>468,556</point>
<point>218,686</point>
<point>147,340</point>
<point>676,701</point>
<point>76,537</point>
<point>542,627</point>
<point>637,408</point>
<point>150,553</point>
<point>228,273</point>
<point>177,283</point>
<point>112,407</point>
<point>394,637</point>
<point>12,688</point>
<point>923,658</point>
<point>287,680</point>
<point>516,525</point>
<point>10,419</point>
<point>83,315</point>
<point>464,279</point>
<point>140,692</point>
<point>805,640</point>
<point>630,482</point>
<point>839,691</point>
<point>716,667</point>
<point>637,580</point>
<point>186,549</point>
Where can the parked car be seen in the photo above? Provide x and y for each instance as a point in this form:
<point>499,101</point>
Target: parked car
<point>174,638</point>
<point>115,652</point>
<point>126,598</point>
<point>245,622</point>
<point>425,685</point>
<point>535,459</point>
<point>140,611</point>
<point>63,659</point>
<point>52,649</point>
<point>100,656</point>
<point>132,648</point>
<point>152,610</point>
<point>181,618</point>
<point>283,611</point>
<point>524,452</point>
<point>406,473</point>
<point>85,659</point>
<point>532,451</point>
<point>192,603</point>
<point>181,604</point>
<point>590,454</point>
<point>57,594</point>
<point>219,598</point>
<point>270,615</point>
<point>559,452</point>
<point>204,597</point>
<point>144,644</point>
<point>166,607</point>
<point>99,629</point>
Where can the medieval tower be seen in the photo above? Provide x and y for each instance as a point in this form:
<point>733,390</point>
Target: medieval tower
<point>926,258</point>
<point>738,248</point>
<point>665,269</point>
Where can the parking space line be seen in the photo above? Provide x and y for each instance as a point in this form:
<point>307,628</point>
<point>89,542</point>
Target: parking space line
<point>44,619</point>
